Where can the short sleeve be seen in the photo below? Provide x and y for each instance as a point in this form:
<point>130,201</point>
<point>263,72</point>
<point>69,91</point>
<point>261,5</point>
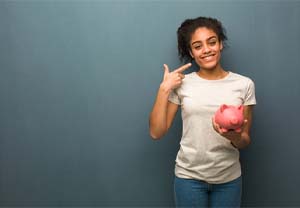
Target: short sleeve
<point>174,98</point>
<point>250,98</point>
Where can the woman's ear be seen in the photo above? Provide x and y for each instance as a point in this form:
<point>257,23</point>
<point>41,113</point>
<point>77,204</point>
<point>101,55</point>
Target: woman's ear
<point>191,54</point>
<point>221,45</point>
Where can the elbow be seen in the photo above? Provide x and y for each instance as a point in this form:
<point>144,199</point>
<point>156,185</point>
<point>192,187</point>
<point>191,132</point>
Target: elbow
<point>246,141</point>
<point>155,136</point>
<point>156,131</point>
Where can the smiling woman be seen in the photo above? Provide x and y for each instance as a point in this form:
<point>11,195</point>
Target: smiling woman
<point>208,171</point>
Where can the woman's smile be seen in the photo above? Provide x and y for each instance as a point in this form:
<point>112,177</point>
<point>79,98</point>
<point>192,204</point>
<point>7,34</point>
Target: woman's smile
<point>208,58</point>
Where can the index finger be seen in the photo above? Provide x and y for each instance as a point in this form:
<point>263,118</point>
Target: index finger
<point>215,125</point>
<point>183,68</point>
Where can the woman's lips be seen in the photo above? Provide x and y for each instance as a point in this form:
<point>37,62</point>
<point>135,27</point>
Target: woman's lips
<point>208,58</point>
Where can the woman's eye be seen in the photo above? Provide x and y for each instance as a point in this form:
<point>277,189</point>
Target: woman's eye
<point>212,43</point>
<point>197,47</point>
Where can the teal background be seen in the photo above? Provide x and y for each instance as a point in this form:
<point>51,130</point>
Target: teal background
<point>78,80</point>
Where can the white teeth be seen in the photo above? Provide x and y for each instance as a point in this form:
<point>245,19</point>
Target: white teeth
<point>208,57</point>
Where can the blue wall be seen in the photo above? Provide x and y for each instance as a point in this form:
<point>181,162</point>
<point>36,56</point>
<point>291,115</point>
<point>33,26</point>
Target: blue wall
<point>78,80</point>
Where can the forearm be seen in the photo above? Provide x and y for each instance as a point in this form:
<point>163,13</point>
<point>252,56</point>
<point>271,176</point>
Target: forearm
<point>158,116</point>
<point>242,141</point>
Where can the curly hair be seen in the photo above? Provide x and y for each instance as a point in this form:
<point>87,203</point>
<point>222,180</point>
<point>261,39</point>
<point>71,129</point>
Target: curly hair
<point>189,26</point>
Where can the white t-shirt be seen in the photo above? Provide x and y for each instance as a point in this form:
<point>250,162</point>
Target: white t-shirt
<point>204,154</point>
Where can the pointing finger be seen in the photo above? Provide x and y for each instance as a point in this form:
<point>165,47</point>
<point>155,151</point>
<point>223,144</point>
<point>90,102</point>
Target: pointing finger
<point>183,68</point>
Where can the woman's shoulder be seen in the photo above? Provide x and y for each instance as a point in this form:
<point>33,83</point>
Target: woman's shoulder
<point>241,77</point>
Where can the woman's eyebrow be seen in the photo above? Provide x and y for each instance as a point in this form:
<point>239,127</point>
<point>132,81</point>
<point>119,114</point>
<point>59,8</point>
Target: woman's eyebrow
<point>212,37</point>
<point>198,41</point>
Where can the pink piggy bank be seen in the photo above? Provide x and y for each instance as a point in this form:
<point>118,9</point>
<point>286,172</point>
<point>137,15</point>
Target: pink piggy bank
<point>229,117</point>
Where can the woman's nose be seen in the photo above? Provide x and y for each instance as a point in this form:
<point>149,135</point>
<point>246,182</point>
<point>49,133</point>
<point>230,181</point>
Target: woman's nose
<point>206,48</point>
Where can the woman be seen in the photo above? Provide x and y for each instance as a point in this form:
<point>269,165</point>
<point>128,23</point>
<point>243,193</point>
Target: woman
<point>207,170</point>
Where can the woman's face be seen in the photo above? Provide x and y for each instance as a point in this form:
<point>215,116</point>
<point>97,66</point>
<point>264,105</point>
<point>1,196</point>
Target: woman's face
<point>206,48</point>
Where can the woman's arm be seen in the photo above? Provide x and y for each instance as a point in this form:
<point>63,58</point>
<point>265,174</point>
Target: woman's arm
<point>162,115</point>
<point>163,112</point>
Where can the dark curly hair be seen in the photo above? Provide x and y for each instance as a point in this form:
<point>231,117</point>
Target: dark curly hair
<point>189,26</point>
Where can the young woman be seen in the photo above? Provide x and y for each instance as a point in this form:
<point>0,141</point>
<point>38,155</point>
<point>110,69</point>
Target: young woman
<point>207,170</point>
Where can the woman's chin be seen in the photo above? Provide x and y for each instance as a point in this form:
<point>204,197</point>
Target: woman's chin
<point>208,66</point>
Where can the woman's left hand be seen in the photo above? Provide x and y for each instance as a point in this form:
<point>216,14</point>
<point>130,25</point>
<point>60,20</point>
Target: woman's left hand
<point>238,139</point>
<point>231,135</point>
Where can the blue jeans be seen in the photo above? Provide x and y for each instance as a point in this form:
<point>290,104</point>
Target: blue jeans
<point>195,193</point>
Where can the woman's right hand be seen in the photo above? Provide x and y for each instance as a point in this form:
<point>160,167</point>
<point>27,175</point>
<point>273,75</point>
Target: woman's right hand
<point>173,79</point>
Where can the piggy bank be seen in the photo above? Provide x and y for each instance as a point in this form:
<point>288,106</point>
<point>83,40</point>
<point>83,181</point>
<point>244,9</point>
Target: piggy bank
<point>229,117</point>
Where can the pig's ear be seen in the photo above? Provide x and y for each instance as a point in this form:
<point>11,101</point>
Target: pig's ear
<point>241,107</point>
<point>223,107</point>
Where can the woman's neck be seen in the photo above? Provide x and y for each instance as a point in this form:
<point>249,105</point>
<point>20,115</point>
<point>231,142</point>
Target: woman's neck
<point>212,74</point>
